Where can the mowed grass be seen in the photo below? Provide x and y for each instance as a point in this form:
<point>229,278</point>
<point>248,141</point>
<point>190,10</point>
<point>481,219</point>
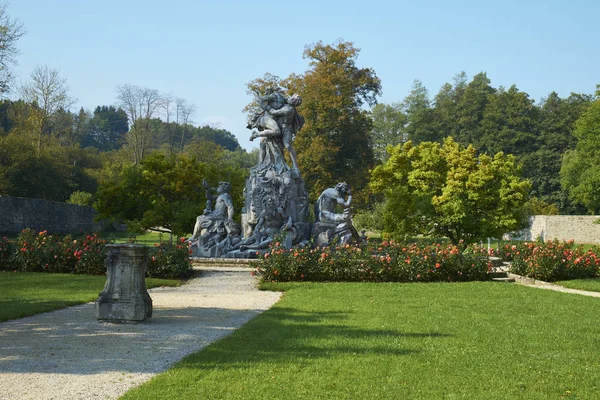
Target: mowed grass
<point>148,237</point>
<point>591,284</point>
<point>27,293</point>
<point>479,340</point>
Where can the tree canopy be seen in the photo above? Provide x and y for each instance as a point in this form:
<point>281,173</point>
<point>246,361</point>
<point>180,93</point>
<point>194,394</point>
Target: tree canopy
<point>580,172</point>
<point>449,190</point>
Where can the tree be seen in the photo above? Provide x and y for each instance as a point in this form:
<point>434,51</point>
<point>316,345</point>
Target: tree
<point>49,93</point>
<point>183,113</point>
<point>419,115</point>
<point>556,126</point>
<point>335,142</point>
<point>580,172</point>
<point>388,128</point>
<point>509,124</point>
<point>163,192</point>
<point>106,128</point>
<point>140,104</point>
<point>446,107</point>
<point>446,189</point>
<point>471,108</point>
<point>11,31</point>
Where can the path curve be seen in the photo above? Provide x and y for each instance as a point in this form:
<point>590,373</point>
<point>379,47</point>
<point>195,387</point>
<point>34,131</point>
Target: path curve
<point>68,354</point>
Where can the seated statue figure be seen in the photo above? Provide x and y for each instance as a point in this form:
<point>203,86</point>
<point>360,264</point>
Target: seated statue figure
<point>208,222</point>
<point>330,226</point>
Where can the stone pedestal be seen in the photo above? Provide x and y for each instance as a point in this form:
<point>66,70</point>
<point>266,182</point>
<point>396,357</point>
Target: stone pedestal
<point>125,298</point>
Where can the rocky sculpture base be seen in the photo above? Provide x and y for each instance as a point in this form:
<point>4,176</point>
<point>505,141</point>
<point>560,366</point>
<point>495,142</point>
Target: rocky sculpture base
<point>125,298</point>
<point>288,191</point>
<point>331,233</point>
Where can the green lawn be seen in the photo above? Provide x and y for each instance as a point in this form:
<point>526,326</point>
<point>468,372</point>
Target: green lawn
<point>479,340</point>
<point>148,237</point>
<point>28,293</point>
<point>592,284</point>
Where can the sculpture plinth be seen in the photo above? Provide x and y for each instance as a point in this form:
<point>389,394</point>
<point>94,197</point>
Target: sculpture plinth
<point>125,298</point>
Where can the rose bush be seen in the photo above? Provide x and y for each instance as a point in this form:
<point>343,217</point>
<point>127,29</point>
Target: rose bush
<point>551,260</point>
<point>389,261</point>
<point>41,252</point>
<point>169,261</point>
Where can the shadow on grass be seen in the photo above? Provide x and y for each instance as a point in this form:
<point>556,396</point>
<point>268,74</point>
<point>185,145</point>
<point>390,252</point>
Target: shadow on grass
<point>284,335</point>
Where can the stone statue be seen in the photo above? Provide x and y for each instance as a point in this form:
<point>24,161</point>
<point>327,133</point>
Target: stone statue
<point>208,222</point>
<point>272,221</point>
<point>272,181</point>
<point>287,121</point>
<point>275,199</point>
<point>331,226</point>
<point>233,239</point>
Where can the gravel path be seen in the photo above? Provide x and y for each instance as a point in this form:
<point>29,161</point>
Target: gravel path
<point>68,354</point>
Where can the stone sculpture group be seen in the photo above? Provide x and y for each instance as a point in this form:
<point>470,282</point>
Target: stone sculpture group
<point>275,199</point>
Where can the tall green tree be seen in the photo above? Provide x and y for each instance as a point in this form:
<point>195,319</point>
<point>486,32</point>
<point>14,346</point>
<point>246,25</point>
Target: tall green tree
<point>446,109</point>
<point>419,115</point>
<point>557,118</point>
<point>471,108</point>
<point>106,128</point>
<point>580,172</point>
<point>334,91</point>
<point>509,124</point>
<point>448,190</point>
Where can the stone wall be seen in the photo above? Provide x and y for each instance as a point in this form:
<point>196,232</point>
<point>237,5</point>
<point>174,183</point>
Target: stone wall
<point>18,213</point>
<point>580,228</point>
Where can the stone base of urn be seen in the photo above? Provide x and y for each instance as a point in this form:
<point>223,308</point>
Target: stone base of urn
<point>125,298</point>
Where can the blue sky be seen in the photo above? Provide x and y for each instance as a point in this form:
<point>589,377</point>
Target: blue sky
<point>206,51</point>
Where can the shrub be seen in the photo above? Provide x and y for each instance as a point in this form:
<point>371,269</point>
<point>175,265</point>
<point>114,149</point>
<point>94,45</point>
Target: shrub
<point>81,198</point>
<point>169,261</point>
<point>41,252</point>
<point>551,260</point>
<point>386,262</point>
<point>6,253</point>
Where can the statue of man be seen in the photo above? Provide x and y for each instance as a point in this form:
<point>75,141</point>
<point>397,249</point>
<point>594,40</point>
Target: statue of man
<point>327,202</point>
<point>288,121</point>
<point>223,209</point>
<point>331,226</point>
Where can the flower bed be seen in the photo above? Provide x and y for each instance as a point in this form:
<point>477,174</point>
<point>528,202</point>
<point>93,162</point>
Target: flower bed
<point>551,260</point>
<point>40,252</point>
<point>385,262</point>
<point>170,261</point>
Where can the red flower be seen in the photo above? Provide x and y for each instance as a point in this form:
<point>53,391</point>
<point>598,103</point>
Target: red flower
<point>438,265</point>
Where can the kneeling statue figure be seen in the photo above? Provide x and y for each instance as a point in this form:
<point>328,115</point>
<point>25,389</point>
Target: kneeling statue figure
<point>331,227</point>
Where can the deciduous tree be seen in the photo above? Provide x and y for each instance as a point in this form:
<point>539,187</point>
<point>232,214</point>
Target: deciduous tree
<point>335,142</point>
<point>389,123</point>
<point>143,105</point>
<point>11,30</point>
<point>580,172</point>
<point>448,190</point>
<point>49,93</point>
